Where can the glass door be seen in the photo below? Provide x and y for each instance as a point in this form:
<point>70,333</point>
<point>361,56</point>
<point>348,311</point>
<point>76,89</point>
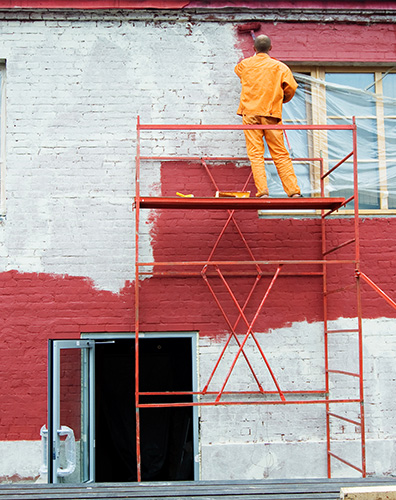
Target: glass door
<point>71,392</point>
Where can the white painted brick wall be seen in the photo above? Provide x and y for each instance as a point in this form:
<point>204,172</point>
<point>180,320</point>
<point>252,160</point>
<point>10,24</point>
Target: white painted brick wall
<point>74,90</point>
<point>291,442</point>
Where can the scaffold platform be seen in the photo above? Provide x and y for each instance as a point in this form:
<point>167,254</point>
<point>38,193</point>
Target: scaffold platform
<point>331,204</point>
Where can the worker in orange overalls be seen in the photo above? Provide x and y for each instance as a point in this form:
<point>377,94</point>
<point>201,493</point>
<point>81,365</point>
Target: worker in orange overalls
<point>266,85</point>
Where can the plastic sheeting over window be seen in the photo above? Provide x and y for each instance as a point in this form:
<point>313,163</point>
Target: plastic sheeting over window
<point>371,98</point>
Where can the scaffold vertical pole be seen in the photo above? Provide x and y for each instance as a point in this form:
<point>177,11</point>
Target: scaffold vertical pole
<point>359,301</point>
<point>325,323</point>
<point>137,319</point>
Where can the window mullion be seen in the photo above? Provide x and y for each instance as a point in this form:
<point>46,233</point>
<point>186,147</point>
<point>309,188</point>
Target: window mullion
<point>383,181</point>
<point>320,145</point>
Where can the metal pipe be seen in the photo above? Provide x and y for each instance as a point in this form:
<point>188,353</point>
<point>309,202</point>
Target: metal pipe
<point>337,165</point>
<point>346,463</point>
<point>248,403</point>
<point>344,373</point>
<point>245,339</point>
<point>219,158</point>
<point>246,274</point>
<point>228,393</point>
<point>345,419</point>
<point>137,320</point>
<point>230,217</point>
<point>246,262</point>
<point>346,243</point>
<point>377,289</point>
<point>245,127</point>
<point>358,291</point>
<point>233,334</point>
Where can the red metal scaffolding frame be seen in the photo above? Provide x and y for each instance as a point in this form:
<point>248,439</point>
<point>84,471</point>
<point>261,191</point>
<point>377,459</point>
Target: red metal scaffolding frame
<point>209,268</point>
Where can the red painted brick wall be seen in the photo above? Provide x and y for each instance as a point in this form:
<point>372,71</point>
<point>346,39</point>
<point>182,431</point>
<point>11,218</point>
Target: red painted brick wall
<point>331,42</point>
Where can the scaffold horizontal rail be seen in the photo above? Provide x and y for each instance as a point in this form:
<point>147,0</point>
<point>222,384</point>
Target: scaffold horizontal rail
<point>146,126</point>
<point>247,274</point>
<point>232,393</point>
<point>249,263</point>
<point>240,203</point>
<point>247,403</point>
<point>347,330</point>
<point>223,158</point>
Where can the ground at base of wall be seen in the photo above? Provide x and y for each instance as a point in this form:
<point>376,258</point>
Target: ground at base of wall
<point>255,461</point>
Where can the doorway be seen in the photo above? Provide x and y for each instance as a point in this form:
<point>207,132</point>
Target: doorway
<point>168,435</point>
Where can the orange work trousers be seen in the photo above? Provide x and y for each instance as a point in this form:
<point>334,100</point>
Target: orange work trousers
<point>278,152</point>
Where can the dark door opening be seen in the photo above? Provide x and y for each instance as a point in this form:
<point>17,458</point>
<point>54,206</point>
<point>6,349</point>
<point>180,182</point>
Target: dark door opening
<point>166,433</point>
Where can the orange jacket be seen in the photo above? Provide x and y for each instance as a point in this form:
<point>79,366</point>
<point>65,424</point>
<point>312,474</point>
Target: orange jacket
<point>266,84</point>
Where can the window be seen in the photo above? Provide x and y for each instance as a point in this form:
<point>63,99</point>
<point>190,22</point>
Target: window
<point>334,96</point>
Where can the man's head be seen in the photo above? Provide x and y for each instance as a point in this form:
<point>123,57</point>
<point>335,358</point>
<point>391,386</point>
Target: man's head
<point>262,44</point>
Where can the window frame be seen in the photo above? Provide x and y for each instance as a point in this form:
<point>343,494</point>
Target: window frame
<point>318,114</point>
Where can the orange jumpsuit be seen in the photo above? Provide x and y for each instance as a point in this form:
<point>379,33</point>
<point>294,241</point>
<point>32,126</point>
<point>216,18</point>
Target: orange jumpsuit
<point>266,85</point>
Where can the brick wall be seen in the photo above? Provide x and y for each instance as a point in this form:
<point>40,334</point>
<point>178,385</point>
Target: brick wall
<point>329,42</point>
<point>74,90</point>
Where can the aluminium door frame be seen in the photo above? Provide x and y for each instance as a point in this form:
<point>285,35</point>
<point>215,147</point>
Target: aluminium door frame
<point>87,349</point>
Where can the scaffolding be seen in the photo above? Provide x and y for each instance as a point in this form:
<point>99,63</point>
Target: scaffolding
<point>324,207</point>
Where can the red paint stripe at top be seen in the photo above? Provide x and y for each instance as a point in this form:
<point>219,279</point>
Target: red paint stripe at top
<point>175,4</point>
<point>92,4</point>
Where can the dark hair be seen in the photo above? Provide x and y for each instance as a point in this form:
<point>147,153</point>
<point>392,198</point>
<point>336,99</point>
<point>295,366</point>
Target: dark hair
<point>262,43</point>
